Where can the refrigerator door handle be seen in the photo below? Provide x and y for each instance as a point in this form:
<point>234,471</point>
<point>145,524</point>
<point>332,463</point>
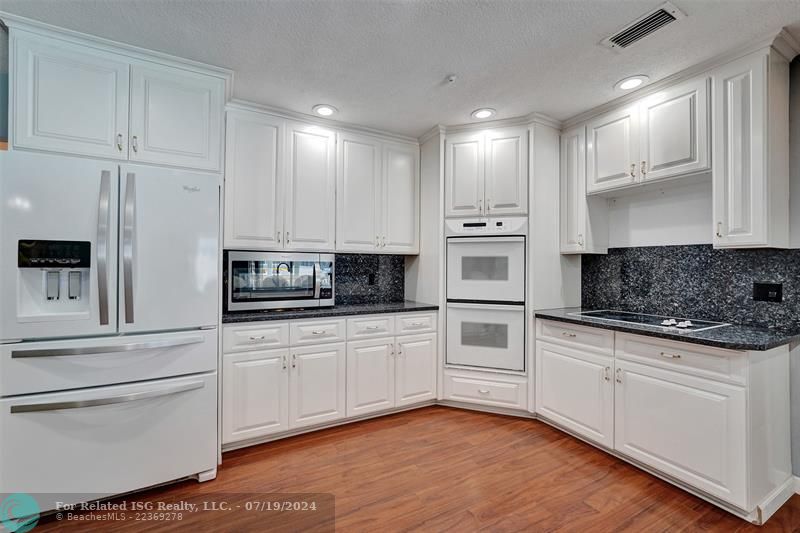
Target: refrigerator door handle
<point>123,398</point>
<point>103,227</point>
<point>128,236</point>
<point>91,350</point>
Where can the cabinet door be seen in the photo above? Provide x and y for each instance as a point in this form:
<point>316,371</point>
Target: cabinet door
<point>310,215</point>
<point>255,394</point>
<point>176,117</point>
<point>673,132</point>
<point>573,190</point>
<point>253,202</point>
<point>69,98</point>
<point>574,388</point>
<point>359,199</point>
<point>416,369</point>
<point>612,150</point>
<point>317,385</point>
<point>506,154</point>
<point>690,428</point>
<point>400,220</point>
<point>370,376</point>
<point>464,174</point>
<point>740,158</point>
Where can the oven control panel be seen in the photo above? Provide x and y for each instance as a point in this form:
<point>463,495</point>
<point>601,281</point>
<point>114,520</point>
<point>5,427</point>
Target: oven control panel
<point>487,226</point>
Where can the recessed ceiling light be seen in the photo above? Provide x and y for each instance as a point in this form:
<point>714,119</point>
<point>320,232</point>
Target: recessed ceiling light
<point>324,110</point>
<point>631,82</point>
<point>484,112</point>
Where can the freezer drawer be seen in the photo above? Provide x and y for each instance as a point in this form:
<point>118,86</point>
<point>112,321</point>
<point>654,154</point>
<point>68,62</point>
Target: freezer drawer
<point>109,440</point>
<point>486,268</point>
<point>33,367</point>
<point>486,336</point>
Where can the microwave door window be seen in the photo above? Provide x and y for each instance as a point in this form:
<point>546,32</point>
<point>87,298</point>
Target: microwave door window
<point>261,281</point>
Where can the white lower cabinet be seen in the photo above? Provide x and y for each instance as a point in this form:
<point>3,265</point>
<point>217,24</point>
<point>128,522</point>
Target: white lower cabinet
<point>574,388</point>
<point>317,385</point>
<point>415,369</point>
<point>370,376</point>
<point>690,428</point>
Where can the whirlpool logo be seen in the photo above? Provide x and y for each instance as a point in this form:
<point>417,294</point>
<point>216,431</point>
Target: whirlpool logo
<point>19,512</point>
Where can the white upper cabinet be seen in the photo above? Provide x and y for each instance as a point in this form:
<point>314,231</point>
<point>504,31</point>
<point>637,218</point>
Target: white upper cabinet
<point>253,201</point>
<point>69,98</point>
<point>506,159</point>
<point>310,209</point>
<point>176,117</point>
<point>751,152</point>
<point>464,174</point>
<point>359,195</point>
<point>612,150</point>
<point>89,100</point>
<point>673,132</point>
<point>400,202</point>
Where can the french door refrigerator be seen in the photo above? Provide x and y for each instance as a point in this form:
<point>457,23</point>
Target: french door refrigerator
<point>108,343</point>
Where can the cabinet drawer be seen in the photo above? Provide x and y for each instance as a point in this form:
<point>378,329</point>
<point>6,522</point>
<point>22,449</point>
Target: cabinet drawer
<point>599,340</point>
<point>317,331</point>
<point>474,388</point>
<point>415,323</point>
<point>703,361</point>
<point>376,326</point>
<point>255,337</point>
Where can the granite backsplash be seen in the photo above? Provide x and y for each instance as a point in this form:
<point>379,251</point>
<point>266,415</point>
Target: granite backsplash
<point>365,279</point>
<point>694,281</point>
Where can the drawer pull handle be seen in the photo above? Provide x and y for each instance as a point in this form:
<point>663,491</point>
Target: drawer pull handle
<point>417,324</point>
<point>570,335</point>
<point>372,327</point>
<point>670,355</point>
<point>254,338</point>
<point>483,391</point>
<point>318,332</point>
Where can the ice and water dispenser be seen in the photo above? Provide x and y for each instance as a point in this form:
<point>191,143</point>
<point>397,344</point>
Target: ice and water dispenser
<point>54,277</point>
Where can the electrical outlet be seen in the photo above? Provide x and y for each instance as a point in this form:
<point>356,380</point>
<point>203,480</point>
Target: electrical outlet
<point>767,292</point>
<point>371,279</point>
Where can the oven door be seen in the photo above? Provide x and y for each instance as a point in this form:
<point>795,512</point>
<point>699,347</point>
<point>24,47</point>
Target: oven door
<point>486,336</point>
<point>271,281</point>
<point>488,269</point>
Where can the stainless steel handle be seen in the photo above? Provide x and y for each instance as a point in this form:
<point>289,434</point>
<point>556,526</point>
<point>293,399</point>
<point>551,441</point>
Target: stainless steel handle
<point>284,362</point>
<point>488,205</point>
<point>119,142</point>
<point>135,143</point>
<point>103,226</point>
<point>128,235</point>
<point>114,348</point>
<point>644,168</point>
<point>316,275</point>
<point>417,324</point>
<point>318,332</point>
<point>570,335</point>
<point>279,237</point>
<point>259,338</point>
<point>399,349</point>
<point>377,241</point>
<point>580,239</point>
<point>671,355</point>
<point>619,375</point>
<point>607,373</point>
<point>372,327</point>
<point>294,360</point>
<point>633,170</point>
<point>719,229</point>
<point>483,391</point>
<point>480,206</point>
<point>383,241</point>
<point>122,398</point>
<point>287,237</point>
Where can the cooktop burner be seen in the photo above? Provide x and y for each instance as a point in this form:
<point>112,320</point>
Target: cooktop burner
<point>656,321</point>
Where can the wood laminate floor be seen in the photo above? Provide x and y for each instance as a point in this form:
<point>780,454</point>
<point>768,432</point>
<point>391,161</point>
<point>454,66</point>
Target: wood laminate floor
<point>444,469</point>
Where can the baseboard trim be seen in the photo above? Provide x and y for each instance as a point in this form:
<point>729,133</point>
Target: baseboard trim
<point>797,484</point>
<point>486,409</point>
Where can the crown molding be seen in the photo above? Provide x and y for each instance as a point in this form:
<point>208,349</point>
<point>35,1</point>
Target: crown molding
<point>253,107</point>
<point>525,120</point>
<point>781,41</point>
<point>431,133</point>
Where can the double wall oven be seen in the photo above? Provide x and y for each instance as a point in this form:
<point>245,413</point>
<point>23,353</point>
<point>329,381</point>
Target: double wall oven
<point>274,280</point>
<point>486,293</point>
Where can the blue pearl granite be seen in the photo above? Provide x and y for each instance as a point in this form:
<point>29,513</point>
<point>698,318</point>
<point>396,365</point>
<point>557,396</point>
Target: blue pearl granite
<point>367,278</point>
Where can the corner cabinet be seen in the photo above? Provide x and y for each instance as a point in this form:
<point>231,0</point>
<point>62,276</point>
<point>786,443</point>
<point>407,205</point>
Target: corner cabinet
<point>85,99</point>
<point>751,152</point>
<point>486,173</point>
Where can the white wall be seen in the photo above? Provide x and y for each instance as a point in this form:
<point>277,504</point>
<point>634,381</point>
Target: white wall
<point>794,152</point>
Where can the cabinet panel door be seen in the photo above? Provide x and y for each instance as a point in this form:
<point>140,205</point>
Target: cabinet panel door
<point>255,394</point>
<point>464,174</point>
<point>310,212</point>
<point>253,202</point>
<point>317,385</point>
<point>176,117</point>
<point>359,199</point>
<point>69,98</point>
<point>370,376</point>
<point>612,150</point>
<point>506,156</point>
<point>574,388</point>
<point>573,190</point>
<point>416,369</point>
<point>400,202</point>
<point>740,137</point>
<point>690,428</point>
<point>674,132</point>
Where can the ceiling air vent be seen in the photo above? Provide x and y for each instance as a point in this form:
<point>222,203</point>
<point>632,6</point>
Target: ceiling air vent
<point>643,26</point>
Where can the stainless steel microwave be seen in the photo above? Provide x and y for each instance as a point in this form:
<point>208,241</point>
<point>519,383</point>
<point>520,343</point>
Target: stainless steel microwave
<point>274,280</point>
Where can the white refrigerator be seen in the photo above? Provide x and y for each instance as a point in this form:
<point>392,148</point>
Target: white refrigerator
<point>110,279</point>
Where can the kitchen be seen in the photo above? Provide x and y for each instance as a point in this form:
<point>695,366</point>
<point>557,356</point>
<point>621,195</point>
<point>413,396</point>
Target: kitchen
<point>430,289</point>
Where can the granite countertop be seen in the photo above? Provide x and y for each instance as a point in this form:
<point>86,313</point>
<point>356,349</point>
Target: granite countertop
<point>733,337</point>
<point>406,306</point>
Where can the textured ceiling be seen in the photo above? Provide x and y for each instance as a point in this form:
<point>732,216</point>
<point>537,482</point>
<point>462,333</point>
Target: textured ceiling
<point>383,62</point>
